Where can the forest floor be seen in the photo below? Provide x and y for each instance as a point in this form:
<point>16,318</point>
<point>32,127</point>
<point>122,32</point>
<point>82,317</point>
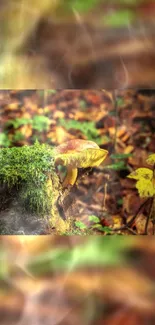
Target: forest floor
<point>121,122</point>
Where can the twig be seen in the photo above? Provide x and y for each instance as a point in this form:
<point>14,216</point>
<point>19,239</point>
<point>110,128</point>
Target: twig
<point>125,227</point>
<point>131,230</point>
<point>114,93</point>
<point>151,210</point>
<point>147,222</point>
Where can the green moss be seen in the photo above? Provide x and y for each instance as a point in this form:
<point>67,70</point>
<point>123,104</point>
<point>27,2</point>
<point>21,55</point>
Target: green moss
<point>29,169</point>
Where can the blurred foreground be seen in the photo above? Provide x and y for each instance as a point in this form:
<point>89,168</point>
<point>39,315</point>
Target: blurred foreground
<point>77,44</point>
<point>77,280</point>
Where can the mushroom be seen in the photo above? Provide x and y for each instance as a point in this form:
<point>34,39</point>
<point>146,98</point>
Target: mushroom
<point>76,154</point>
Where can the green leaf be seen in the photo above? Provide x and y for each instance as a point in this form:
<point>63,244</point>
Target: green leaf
<point>40,123</point>
<point>87,128</point>
<point>121,155</point>
<point>120,101</point>
<point>16,123</point>
<point>102,228</point>
<point>120,202</point>
<point>94,219</point>
<point>106,229</point>
<point>4,140</point>
<point>18,136</point>
<point>117,166</point>
<point>80,225</point>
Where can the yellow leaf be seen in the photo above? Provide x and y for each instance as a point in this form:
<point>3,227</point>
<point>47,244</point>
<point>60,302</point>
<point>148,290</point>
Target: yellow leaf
<point>151,159</point>
<point>144,185</point>
<point>117,221</point>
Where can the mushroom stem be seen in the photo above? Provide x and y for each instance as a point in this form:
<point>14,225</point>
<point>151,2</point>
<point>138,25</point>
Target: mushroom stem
<point>71,176</point>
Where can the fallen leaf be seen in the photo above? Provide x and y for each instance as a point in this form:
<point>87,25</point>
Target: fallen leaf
<point>144,184</point>
<point>140,223</point>
<point>128,149</point>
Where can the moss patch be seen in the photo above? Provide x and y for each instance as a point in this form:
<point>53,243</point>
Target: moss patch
<point>29,169</point>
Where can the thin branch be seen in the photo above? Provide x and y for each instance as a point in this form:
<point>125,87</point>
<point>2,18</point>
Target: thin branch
<point>116,111</point>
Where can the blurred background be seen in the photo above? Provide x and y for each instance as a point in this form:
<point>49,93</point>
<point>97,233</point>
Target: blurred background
<point>77,44</point>
<point>77,280</point>
<point>121,122</point>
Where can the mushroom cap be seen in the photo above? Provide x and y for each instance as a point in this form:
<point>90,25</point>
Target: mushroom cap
<point>79,154</point>
<point>75,145</point>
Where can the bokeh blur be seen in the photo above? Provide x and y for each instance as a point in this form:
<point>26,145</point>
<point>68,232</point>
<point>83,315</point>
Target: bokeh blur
<point>77,280</point>
<point>77,44</point>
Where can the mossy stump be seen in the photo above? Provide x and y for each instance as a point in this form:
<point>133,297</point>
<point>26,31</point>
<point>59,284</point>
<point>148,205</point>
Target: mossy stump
<point>28,173</point>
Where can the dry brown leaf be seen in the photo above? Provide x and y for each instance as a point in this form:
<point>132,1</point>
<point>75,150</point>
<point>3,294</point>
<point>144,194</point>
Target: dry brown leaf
<point>121,132</point>
<point>128,149</point>
<point>131,203</point>
<point>62,135</point>
<point>58,114</point>
<point>13,106</point>
<point>140,223</point>
<point>126,137</point>
<point>26,115</point>
<point>26,130</point>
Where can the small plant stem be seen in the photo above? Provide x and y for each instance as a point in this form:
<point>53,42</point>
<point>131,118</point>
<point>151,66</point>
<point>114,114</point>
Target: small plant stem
<point>150,214</point>
<point>132,231</point>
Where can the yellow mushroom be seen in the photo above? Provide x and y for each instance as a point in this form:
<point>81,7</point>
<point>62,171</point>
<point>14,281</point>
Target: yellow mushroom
<point>76,154</point>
